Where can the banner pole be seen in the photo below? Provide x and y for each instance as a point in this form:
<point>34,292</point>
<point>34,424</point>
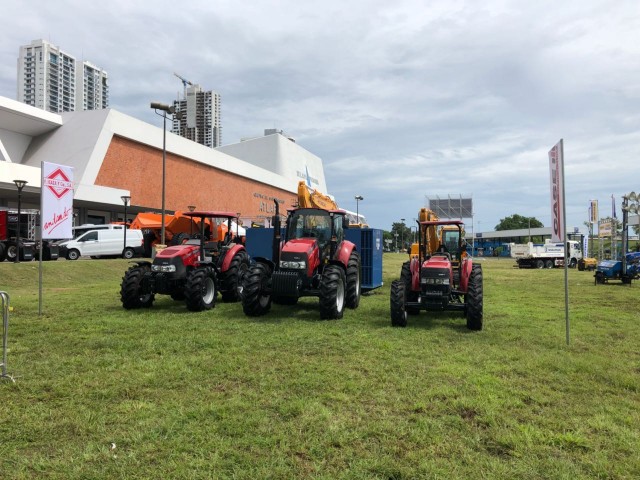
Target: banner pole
<point>41,239</point>
<point>566,248</point>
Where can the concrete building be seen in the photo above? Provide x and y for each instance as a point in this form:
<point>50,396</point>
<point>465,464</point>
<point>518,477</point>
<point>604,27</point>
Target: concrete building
<point>114,155</point>
<point>51,79</point>
<point>198,117</point>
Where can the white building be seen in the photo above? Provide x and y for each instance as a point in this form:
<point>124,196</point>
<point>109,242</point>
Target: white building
<point>51,79</point>
<point>198,117</point>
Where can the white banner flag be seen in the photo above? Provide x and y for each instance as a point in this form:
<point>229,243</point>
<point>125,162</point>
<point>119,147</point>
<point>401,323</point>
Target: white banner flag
<point>556,169</point>
<point>56,195</point>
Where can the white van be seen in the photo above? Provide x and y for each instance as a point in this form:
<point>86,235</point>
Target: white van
<point>98,243</point>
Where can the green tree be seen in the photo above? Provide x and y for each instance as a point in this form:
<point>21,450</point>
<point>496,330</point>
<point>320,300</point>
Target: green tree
<point>516,222</point>
<point>404,238</point>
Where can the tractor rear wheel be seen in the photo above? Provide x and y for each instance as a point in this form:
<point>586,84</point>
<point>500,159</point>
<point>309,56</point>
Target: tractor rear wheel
<point>473,299</point>
<point>332,293</point>
<point>397,301</point>
<point>411,296</point>
<point>200,289</point>
<point>131,294</point>
<point>353,280</point>
<point>255,300</point>
<point>232,279</point>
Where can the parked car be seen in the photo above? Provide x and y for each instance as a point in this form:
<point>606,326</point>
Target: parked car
<point>105,242</point>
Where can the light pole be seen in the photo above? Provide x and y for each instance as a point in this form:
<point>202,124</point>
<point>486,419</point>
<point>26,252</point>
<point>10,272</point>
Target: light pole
<point>358,198</point>
<point>125,200</point>
<point>20,184</point>
<point>164,108</point>
<point>402,234</point>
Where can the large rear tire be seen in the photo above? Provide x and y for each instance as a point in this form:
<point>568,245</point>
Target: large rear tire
<point>233,278</point>
<point>473,299</point>
<point>397,303</point>
<point>353,280</point>
<point>255,300</point>
<point>411,296</point>
<point>131,294</point>
<point>332,293</point>
<point>200,289</point>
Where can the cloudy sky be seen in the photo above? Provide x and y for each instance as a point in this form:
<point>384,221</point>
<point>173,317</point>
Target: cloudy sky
<point>402,100</point>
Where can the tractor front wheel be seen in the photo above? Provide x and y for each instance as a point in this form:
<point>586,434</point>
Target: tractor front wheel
<point>398,310</point>
<point>255,300</point>
<point>473,299</point>
<point>232,279</point>
<point>353,280</point>
<point>332,293</point>
<point>200,289</point>
<point>131,294</point>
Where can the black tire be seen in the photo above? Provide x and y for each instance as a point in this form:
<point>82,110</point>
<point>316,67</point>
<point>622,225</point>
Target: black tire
<point>354,283</point>
<point>473,299</point>
<point>233,278</point>
<point>548,264</point>
<point>397,304</point>
<point>73,254</point>
<point>581,266</point>
<point>12,252</point>
<point>178,238</point>
<point>410,295</point>
<point>539,264</point>
<point>332,293</point>
<point>131,294</point>
<point>200,289</point>
<point>255,300</point>
<point>573,263</point>
<point>599,276</point>
<point>128,253</point>
<point>3,252</point>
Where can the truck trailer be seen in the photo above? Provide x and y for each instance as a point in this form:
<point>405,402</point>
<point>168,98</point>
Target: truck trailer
<point>546,255</point>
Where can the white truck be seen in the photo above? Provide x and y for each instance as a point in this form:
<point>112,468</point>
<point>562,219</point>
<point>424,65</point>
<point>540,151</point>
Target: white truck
<point>546,255</point>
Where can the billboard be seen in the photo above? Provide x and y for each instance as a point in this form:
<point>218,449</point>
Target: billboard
<point>556,170</point>
<point>451,206</point>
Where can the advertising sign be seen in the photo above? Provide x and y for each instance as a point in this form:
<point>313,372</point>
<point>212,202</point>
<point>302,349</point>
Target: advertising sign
<point>57,201</point>
<point>604,228</point>
<point>556,169</point>
<point>593,211</point>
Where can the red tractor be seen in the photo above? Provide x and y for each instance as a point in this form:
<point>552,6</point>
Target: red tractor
<point>314,260</point>
<point>193,271</point>
<point>441,280</point>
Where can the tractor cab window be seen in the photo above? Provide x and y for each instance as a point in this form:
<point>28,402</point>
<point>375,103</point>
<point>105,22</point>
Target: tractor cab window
<point>310,224</point>
<point>338,229</point>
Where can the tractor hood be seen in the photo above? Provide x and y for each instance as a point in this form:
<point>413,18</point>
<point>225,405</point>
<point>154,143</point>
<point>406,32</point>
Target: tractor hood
<point>299,245</point>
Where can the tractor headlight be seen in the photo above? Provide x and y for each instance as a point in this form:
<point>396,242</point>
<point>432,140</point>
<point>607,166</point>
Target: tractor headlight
<point>294,265</point>
<point>163,268</point>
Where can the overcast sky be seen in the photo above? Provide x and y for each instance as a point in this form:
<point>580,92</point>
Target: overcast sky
<point>401,100</point>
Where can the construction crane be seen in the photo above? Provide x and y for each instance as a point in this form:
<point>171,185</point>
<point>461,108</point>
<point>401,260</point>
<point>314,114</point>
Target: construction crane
<point>185,82</point>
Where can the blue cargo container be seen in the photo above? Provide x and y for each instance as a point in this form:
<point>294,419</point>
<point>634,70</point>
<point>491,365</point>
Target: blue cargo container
<point>368,242</point>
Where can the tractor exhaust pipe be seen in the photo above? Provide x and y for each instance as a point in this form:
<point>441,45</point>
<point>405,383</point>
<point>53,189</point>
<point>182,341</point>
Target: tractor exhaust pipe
<point>275,221</point>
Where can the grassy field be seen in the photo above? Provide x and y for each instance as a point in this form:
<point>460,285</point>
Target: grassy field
<point>218,395</point>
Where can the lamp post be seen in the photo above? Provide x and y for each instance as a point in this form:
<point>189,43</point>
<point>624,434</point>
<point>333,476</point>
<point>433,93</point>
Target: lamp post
<point>164,108</point>
<point>358,198</point>
<point>125,200</point>
<point>20,184</point>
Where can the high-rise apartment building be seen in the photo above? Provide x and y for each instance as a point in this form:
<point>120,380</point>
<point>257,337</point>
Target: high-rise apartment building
<point>197,116</point>
<point>51,79</point>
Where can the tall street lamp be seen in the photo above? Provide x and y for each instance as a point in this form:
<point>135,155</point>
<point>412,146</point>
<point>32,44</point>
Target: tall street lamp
<point>164,108</point>
<point>20,184</point>
<point>125,199</point>
<point>358,198</point>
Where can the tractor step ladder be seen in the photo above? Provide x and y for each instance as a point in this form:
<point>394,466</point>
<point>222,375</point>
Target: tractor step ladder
<point>4,296</point>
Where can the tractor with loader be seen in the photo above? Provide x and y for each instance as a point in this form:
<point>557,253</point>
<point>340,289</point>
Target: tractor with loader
<point>312,260</point>
<point>193,271</point>
<point>440,276</point>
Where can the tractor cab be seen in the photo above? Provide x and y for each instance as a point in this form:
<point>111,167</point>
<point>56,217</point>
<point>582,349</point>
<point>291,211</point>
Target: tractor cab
<point>308,226</point>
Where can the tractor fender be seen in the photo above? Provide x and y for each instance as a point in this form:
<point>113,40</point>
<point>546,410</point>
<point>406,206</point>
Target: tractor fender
<point>265,261</point>
<point>344,252</point>
<point>415,273</point>
<point>229,256</point>
<point>465,273</point>
<point>141,263</point>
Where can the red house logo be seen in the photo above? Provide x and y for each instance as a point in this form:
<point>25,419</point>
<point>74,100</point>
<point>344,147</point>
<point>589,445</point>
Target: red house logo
<point>58,183</point>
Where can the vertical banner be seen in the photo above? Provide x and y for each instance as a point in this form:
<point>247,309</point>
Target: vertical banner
<point>556,170</point>
<point>56,217</point>
<point>593,209</point>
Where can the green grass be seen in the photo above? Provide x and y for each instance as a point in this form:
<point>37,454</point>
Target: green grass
<point>219,395</point>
